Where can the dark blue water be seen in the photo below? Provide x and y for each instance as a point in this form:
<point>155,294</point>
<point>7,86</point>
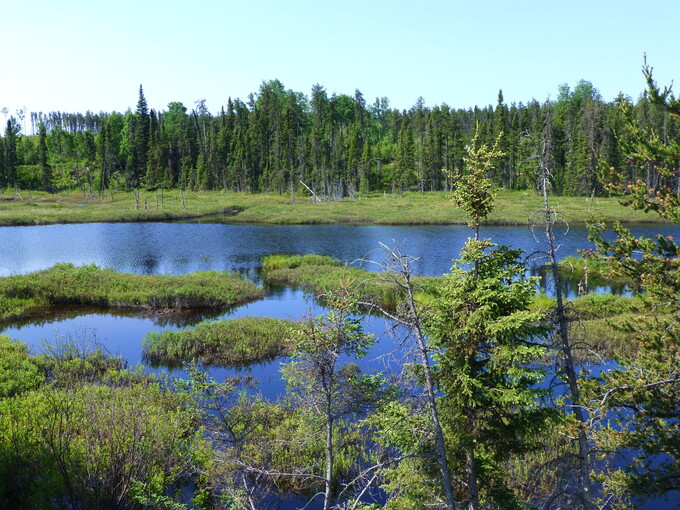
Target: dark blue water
<point>177,248</point>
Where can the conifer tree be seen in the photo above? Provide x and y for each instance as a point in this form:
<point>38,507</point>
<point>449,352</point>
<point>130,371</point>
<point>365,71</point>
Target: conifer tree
<point>405,164</point>
<point>140,140</point>
<point>503,175</point>
<point>642,391</point>
<point>487,340</point>
<point>45,169</point>
<point>10,152</point>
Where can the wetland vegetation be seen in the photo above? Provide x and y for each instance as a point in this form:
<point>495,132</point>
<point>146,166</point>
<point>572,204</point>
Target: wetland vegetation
<point>66,284</point>
<point>227,343</point>
<point>410,208</point>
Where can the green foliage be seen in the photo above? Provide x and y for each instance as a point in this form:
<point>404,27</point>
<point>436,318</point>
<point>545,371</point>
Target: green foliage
<point>412,479</point>
<point>489,342</point>
<point>88,447</point>
<point>330,389</point>
<point>71,362</point>
<point>640,395</point>
<point>334,143</point>
<point>473,191</point>
<point>19,372</point>
<point>233,342</point>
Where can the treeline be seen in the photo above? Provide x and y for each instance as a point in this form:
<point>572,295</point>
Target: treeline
<point>334,146</point>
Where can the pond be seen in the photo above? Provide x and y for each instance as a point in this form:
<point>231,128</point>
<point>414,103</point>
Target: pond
<point>177,248</point>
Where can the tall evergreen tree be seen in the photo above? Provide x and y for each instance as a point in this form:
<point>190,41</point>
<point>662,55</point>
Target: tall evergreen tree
<point>405,157</point>
<point>140,140</point>
<point>45,169</point>
<point>503,175</point>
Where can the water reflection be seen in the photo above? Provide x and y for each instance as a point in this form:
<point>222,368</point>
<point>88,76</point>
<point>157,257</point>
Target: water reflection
<point>573,286</point>
<point>176,248</point>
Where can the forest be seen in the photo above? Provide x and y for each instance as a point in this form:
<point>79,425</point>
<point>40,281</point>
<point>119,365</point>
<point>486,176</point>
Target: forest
<point>493,407</point>
<point>282,141</point>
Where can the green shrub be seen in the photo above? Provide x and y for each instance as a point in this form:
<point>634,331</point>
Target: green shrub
<point>19,371</point>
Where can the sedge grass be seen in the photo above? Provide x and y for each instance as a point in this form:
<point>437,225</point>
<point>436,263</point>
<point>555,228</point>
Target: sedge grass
<point>605,326</point>
<point>228,343</point>
<point>596,272</point>
<point>66,284</point>
<point>321,275</point>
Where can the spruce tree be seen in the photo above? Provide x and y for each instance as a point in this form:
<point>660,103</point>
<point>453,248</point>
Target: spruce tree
<point>141,139</point>
<point>10,152</point>
<point>488,341</point>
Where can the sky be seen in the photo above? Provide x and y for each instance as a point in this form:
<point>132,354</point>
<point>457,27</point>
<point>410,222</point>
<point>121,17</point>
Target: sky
<point>79,55</point>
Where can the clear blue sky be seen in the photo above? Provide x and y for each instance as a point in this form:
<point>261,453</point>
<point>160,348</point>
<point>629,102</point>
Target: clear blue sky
<point>78,55</point>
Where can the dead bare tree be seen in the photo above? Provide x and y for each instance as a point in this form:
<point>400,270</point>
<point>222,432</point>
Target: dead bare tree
<point>548,217</point>
<point>398,270</point>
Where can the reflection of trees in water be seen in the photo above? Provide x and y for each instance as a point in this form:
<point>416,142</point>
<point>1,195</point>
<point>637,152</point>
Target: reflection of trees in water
<point>573,286</point>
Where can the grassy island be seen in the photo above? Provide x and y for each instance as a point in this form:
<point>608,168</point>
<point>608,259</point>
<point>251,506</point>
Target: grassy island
<point>66,284</point>
<point>227,343</point>
<point>320,274</point>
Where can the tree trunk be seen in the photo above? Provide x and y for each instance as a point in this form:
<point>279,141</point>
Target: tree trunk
<point>431,399</point>
<point>329,464</point>
<point>569,366</point>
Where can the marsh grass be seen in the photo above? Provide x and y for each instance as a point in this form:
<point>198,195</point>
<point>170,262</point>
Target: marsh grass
<point>321,275</point>
<point>228,343</point>
<point>69,285</point>
<point>411,208</point>
<point>604,326</point>
<point>597,272</point>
